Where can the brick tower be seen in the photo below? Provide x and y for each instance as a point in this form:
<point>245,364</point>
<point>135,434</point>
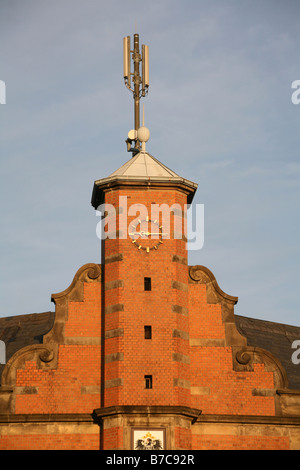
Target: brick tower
<point>145,324</point>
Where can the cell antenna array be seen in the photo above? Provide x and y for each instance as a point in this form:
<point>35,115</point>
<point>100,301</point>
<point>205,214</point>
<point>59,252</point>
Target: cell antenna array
<point>136,82</point>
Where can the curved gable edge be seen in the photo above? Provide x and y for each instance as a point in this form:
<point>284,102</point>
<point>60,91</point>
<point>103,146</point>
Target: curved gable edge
<point>45,355</point>
<point>244,356</point>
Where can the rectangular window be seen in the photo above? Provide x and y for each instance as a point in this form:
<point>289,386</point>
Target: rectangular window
<point>148,381</point>
<point>147,283</point>
<point>148,331</point>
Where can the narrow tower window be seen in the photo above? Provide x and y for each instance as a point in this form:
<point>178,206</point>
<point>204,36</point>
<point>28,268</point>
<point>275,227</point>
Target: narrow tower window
<point>148,381</point>
<point>147,283</point>
<point>148,331</point>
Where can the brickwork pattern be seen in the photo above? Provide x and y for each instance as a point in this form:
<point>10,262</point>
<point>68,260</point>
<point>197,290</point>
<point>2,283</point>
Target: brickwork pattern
<point>50,442</point>
<point>218,389</point>
<point>66,388</point>
<point>223,442</point>
<point>135,308</point>
<point>113,438</point>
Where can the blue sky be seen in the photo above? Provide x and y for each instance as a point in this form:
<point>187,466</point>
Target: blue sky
<point>220,113</point>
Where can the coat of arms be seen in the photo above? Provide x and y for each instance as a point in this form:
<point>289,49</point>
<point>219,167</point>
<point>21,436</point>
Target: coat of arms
<point>148,441</point>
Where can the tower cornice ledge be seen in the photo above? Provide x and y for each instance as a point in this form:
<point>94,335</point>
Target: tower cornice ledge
<point>192,413</point>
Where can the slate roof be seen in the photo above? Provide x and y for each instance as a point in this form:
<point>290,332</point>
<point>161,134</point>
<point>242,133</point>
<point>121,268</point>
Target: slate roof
<point>276,338</point>
<point>22,330</point>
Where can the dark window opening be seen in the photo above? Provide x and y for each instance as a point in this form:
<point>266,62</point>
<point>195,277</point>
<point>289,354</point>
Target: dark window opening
<point>147,283</point>
<point>148,331</point>
<point>148,381</point>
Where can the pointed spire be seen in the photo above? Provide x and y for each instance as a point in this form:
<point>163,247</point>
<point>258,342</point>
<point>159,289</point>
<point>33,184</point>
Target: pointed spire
<point>143,133</point>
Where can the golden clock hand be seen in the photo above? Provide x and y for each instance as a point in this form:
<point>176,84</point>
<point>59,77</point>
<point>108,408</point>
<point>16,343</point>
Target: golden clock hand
<point>158,233</point>
<point>141,233</point>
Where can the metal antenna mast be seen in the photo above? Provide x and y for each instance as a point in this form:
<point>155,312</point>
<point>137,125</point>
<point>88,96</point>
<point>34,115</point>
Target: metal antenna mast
<point>140,83</point>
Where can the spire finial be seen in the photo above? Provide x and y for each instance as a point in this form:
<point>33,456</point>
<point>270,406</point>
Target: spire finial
<point>143,122</point>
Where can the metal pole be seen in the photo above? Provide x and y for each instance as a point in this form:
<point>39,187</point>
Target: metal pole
<point>137,80</point>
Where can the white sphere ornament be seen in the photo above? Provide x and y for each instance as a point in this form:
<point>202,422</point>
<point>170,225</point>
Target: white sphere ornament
<point>143,134</point>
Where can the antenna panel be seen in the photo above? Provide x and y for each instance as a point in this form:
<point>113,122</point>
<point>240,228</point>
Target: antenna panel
<point>145,66</point>
<point>126,60</point>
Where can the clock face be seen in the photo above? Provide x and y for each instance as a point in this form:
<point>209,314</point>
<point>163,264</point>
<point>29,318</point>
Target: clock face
<point>146,234</point>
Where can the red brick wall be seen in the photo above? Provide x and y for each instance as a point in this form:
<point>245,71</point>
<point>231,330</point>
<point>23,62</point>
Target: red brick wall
<point>183,438</point>
<point>50,442</point>
<point>138,308</point>
<point>225,391</point>
<point>223,442</point>
<point>72,386</point>
<point>113,438</point>
<point>66,389</point>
